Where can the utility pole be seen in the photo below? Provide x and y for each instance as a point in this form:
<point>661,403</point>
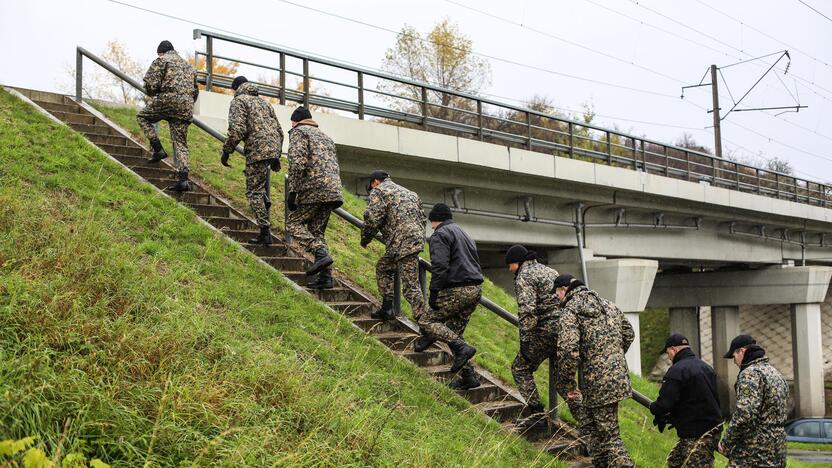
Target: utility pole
<point>717,128</point>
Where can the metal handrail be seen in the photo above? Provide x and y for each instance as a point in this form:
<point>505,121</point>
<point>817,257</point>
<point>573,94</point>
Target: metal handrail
<point>342,213</point>
<point>611,147</point>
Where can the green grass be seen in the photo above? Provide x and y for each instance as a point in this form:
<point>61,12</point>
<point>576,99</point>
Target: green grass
<point>135,334</point>
<point>814,447</point>
<point>654,325</point>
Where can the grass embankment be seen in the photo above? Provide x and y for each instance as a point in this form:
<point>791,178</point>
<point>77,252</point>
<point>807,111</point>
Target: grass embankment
<point>135,334</point>
<point>496,341</point>
<point>654,325</point>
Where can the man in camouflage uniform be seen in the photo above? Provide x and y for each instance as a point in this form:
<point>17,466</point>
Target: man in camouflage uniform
<point>688,400</point>
<point>455,291</point>
<point>314,191</point>
<point>538,314</point>
<point>253,121</point>
<point>396,213</point>
<point>755,436</point>
<point>171,84</point>
<point>595,333</point>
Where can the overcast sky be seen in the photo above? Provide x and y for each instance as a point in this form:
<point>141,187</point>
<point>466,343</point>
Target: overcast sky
<point>647,49</point>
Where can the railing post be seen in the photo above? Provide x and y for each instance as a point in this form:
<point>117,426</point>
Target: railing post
<point>777,184</point>
<point>529,128</point>
<point>479,119</point>
<point>397,293</point>
<point>423,280</point>
<point>79,75</point>
<point>209,62</point>
<point>286,236</point>
<point>306,82</point>
<point>424,107</point>
<point>737,168</point>
<point>635,155</point>
<point>553,395</point>
<point>571,140</point>
<point>687,160</point>
<point>609,149</point>
<point>282,79</point>
<point>759,191</point>
<point>666,162</point>
<point>361,95</point>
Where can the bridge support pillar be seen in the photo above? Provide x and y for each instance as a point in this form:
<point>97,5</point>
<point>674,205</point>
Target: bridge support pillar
<point>685,320</point>
<point>725,325</point>
<point>807,356</point>
<point>625,281</point>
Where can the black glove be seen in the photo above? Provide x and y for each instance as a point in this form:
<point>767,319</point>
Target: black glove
<point>365,241</point>
<point>291,202</point>
<point>660,422</point>
<point>275,164</point>
<point>224,159</point>
<point>433,299</point>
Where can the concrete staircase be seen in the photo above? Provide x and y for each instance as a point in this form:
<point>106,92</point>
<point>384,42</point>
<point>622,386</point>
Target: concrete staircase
<point>493,398</point>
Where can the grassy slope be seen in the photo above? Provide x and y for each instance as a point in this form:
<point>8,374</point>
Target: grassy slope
<point>133,333</point>
<point>496,341</point>
<point>654,327</point>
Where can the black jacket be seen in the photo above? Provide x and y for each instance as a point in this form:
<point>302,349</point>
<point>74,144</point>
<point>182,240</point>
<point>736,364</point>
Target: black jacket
<point>689,395</point>
<point>454,258</point>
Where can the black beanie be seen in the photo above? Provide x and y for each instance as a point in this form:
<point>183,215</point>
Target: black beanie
<point>238,81</point>
<point>164,46</point>
<point>440,212</point>
<point>301,113</point>
<point>516,254</point>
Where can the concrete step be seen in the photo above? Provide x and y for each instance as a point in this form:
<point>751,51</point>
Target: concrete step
<point>286,263</point>
<point>138,161</point>
<point>200,198</point>
<point>75,118</point>
<point>373,326</point>
<point>42,96</point>
<point>485,392</point>
<point>502,410</point>
<point>274,250</point>
<point>336,294</point>
<point>165,183</point>
<point>352,307</point>
<point>122,150</point>
<point>60,107</point>
<point>398,341</point>
<point>427,358</point>
<point>155,172</point>
<point>230,224</point>
<point>99,139</point>
<point>97,129</point>
<point>210,210</point>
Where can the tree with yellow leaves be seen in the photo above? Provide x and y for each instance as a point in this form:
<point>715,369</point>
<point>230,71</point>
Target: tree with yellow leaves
<point>223,68</point>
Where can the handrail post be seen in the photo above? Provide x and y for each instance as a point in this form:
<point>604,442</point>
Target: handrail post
<point>282,79</point>
<point>609,148</point>
<point>286,236</point>
<point>423,280</point>
<point>758,180</point>
<point>529,129</point>
<point>737,168</point>
<point>306,83</point>
<point>397,293</point>
<point>209,62</point>
<point>553,395</point>
<point>635,155</point>
<point>479,119</point>
<point>424,107</point>
<point>777,184</point>
<point>361,95</point>
<point>571,140</point>
<point>666,162</point>
<point>79,74</point>
<point>687,160</point>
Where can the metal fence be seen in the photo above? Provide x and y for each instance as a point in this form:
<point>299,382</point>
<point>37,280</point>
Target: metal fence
<point>411,103</point>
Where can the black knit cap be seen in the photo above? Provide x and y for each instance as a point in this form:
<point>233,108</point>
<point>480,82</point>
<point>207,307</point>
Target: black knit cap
<point>440,212</point>
<point>739,342</point>
<point>377,174</point>
<point>164,46</point>
<point>301,113</point>
<point>238,81</point>
<point>675,339</point>
<point>563,280</point>
<point>516,254</point>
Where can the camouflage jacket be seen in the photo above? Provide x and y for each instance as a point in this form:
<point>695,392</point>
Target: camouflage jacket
<point>397,213</point>
<point>536,299</point>
<point>594,332</point>
<point>172,81</point>
<point>252,120</point>
<point>755,436</point>
<point>313,165</point>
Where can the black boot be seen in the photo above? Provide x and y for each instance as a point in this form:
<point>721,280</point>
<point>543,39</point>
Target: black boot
<point>385,312</point>
<point>158,152</point>
<point>265,237</point>
<point>423,343</point>
<point>466,381</point>
<point>462,353</point>
<point>322,260</point>
<point>323,281</point>
<point>535,421</point>
<point>182,185</point>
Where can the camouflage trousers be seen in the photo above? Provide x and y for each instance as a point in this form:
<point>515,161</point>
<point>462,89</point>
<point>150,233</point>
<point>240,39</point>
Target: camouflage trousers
<point>408,268</point>
<point>605,445</point>
<point>695,452</point>
<point>455,308</point>
<point>149,116</point>
<point>766,449</point>
<point>307,224</point>
<point>257,190</point>
<point>539,346</point>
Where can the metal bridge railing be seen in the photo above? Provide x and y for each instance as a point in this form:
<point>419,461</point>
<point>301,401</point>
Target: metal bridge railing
<point>424,265</point>
<point>449,111</point>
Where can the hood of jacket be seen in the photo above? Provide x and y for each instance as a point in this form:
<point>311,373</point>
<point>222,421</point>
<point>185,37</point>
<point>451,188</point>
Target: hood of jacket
<point>247,88</point>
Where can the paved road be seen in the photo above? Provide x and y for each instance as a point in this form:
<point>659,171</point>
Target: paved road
<point>811,456</point>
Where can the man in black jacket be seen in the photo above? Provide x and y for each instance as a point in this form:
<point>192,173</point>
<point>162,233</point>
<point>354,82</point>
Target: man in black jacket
<point>688,401</point>
<point>455,290</point>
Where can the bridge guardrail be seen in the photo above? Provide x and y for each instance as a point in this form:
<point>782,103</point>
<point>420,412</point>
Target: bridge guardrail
<point>340,212</point>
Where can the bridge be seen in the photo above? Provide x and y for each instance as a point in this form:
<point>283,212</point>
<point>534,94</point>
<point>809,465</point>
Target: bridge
<point>644,223</point>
